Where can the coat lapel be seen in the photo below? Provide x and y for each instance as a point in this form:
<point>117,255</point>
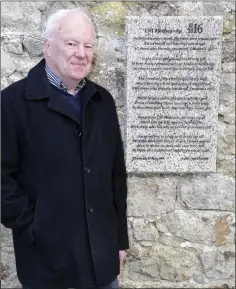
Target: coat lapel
<point>59,104</point>
<point>87,93</point>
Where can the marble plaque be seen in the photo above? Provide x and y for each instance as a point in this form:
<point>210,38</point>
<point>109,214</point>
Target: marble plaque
<point>173,79</point>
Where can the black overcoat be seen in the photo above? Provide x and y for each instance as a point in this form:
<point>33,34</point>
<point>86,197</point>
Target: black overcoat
<point>63,184</point>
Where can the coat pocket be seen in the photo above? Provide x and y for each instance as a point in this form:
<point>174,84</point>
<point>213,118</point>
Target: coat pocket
<point>43,229</point>
<point>48,227</point>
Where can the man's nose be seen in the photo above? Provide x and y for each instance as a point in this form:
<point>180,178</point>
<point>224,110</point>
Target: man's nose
<point>80,51</point>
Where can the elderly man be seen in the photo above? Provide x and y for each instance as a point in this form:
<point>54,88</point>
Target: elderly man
<point>63,171</point>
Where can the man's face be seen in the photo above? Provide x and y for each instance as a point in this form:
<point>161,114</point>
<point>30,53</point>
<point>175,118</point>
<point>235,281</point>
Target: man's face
<point>70,51</point>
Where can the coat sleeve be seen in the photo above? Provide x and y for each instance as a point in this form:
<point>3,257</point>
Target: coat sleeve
<point>119,178</point>
<point>17,210</point>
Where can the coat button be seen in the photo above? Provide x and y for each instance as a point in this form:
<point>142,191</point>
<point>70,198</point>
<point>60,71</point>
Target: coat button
<point>78,133</point>
<point>87,170</point>
<point>90,209</point>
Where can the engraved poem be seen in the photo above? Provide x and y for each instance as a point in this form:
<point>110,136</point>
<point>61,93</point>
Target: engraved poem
<point>173,78</point>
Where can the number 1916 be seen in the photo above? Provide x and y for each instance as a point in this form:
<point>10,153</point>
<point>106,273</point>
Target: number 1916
<point>195,28</point>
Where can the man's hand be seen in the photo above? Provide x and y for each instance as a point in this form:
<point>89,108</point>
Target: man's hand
<point>122,255</point>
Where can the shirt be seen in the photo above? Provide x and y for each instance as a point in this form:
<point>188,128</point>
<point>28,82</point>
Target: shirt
<point>74,101</point>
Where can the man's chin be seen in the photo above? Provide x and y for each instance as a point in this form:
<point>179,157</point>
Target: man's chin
<point>79,74</point>
<point>78,77</point>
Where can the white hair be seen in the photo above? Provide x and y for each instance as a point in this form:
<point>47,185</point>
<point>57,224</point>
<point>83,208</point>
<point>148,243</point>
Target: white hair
<point>56,17</point>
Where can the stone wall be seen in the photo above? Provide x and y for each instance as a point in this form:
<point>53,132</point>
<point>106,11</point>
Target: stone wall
<point>181,227</point>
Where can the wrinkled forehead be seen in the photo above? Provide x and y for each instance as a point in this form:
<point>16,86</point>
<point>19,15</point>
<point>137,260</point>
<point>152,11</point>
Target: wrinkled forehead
<point>76,27</point>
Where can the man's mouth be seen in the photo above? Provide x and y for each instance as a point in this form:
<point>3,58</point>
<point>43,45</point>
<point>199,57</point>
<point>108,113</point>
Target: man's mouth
<point>78,64</point>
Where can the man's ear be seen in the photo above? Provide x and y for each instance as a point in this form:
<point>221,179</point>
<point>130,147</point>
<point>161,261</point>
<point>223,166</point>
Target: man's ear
<point>47,47</point>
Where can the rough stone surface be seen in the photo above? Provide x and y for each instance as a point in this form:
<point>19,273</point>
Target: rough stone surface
<point>33,46</point>
<point>222,230</point>
<point>22,17</point>
<point>227,90</point>
<point>218,264</point>
<point>24,63</point>
<point>144,230</point>
<point>110,14</point>
<point>228,67</point>
<point>226,165</point>
<point>224,8</point>
<point>203,228</point>
<point>181,227</point>
<point>158,199</point>
<point>14,48</point>
<point>6,237</point>
<point>189,227</point>
<point>228,51</point>
<point>189,9</point>
<point>226,142</point>
<point>170,240</point>
<point>7,65</point>
<point>226,113</point>
<point>8,268</point>
<point>113,80</point>
<point>229,28</point>
<point>211,192</point>
<point>167,263</point>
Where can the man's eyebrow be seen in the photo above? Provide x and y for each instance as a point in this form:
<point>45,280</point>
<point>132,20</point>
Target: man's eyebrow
<point>71,39</point>
<point>76,40</point>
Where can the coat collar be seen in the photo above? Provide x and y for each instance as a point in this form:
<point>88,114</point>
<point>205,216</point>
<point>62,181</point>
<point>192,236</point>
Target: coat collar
<point>38,87</point>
